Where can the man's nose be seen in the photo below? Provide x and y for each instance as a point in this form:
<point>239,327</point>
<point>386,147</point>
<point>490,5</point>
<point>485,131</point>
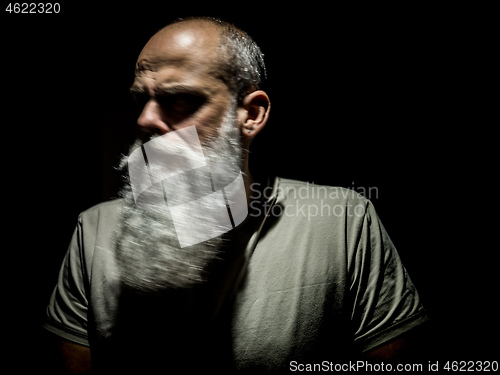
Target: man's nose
<point>151,119</point>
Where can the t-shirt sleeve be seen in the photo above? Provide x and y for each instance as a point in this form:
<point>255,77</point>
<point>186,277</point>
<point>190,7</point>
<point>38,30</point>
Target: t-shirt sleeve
<point>385,303</point>
<point>67,309</point>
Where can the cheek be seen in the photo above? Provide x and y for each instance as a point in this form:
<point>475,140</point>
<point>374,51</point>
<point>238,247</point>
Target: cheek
<point>209,119</point>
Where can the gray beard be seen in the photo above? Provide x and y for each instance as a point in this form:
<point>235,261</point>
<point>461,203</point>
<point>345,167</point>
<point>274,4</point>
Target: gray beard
<point>148,254</point>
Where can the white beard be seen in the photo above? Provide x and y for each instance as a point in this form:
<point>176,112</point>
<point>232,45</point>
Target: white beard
<point>148,254</point>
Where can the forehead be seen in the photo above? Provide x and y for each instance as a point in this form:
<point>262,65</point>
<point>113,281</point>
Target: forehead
<point>180,52</point>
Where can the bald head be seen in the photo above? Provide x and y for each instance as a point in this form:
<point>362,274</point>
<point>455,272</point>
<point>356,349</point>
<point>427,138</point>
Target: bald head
<point>188,42</point>
<point>229,53</point>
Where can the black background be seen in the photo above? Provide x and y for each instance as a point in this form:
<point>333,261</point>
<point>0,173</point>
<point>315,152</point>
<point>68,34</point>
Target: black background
<point>393,99</point>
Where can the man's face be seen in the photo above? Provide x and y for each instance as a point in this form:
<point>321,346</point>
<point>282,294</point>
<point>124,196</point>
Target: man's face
<point>176,82</point>
<point>176,77</point>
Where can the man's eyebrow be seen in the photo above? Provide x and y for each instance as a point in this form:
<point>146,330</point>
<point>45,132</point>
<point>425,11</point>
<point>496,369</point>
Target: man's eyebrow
<point>179,89</point>
<point>169,90</point>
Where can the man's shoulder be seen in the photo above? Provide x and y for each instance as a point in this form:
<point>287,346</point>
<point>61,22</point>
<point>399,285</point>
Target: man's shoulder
<point>111,205</point>
<point>104,211</point>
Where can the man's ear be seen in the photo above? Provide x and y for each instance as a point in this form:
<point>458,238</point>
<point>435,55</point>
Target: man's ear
<point>253,113</point>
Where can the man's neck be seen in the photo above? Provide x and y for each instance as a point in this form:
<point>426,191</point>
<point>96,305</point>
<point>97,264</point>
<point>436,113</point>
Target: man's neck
<point>248,180</point>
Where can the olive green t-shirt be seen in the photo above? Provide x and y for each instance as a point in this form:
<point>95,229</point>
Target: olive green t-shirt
<point>319,280</point>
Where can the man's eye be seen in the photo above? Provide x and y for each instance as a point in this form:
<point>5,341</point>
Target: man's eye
<point>181,104</point>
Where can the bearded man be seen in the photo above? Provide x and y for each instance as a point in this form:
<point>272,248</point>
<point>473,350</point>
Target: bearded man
<point>208,266</point>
